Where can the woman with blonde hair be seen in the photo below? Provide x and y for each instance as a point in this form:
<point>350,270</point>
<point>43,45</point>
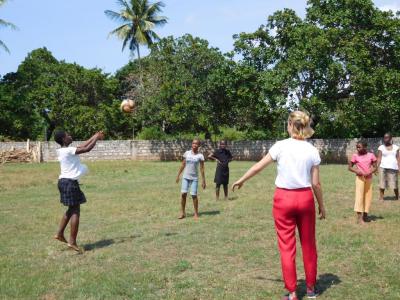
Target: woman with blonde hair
<point>297,178</point>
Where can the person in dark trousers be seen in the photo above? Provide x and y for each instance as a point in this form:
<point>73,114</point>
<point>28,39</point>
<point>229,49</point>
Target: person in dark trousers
<point>223,157</point>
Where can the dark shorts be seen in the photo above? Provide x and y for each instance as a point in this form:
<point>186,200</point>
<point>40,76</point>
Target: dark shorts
<point>70,192</point>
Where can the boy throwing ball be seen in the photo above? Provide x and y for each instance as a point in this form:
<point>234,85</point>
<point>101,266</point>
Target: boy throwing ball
<point>70,193</point>
<point>190,165</point>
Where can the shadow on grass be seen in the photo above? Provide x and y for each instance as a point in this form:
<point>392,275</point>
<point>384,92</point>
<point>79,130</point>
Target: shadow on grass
<point>233,198</point>
<point>324,282</point>
<point>108,242</point>
<point>209,213</point>
<point>373,218</point>
<point>390,198</point>
<point>205,213</point>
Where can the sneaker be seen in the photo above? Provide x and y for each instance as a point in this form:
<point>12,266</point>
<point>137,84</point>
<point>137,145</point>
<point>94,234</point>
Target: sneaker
<point>288,297</point>
<point>312,293</point>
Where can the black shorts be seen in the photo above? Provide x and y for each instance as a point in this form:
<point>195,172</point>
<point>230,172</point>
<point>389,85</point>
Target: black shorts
<point>70,192</point>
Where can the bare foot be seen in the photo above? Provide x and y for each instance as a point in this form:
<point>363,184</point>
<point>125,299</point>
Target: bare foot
<point>196,217</point>
<point>60,238</point>
<point>75,247</point>
<point>182,217</point>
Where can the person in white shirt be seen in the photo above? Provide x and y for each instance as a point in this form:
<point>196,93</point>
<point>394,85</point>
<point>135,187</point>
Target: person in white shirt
<point>70,193</point>
<point>388,163</point>
<point>190,165</point>
<point>298,176</point>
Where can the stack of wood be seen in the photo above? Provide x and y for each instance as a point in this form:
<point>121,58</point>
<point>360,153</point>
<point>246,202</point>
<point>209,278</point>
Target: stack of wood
<point>16,156</point>
<point>30,154</point>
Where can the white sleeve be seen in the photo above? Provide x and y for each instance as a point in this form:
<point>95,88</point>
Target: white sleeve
<point>201,157</point>
<point>71,150</point>
<point>380,148</point>
<point>185,154</point>
<point>316,158</point>
<point>274,151</point>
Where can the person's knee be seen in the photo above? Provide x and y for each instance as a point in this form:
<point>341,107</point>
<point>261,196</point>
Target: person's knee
<point>74,209</point>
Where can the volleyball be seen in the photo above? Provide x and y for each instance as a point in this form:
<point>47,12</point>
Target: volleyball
<point>127,106</point>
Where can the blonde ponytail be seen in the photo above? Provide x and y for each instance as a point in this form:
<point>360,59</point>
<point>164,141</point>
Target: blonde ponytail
<point>301,125</point>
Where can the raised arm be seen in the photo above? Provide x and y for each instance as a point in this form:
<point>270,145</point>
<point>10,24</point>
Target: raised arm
<point>89,145</point>
<point>255,169</point>
<point>181,168</point>
<point>316,186</point>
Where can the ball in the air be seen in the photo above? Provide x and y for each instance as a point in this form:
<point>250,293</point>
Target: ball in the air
<point>127,105</point>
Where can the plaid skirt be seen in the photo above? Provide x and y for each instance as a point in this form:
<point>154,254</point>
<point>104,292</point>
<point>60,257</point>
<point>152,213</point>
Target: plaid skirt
<point>70,192</point>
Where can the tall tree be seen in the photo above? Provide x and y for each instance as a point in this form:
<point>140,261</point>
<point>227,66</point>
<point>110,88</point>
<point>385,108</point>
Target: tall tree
<point>138,19</point>
<point>4,23</point>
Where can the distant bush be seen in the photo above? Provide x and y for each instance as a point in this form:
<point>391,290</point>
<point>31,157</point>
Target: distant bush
<point>230,134</point>
<point>152,133</point>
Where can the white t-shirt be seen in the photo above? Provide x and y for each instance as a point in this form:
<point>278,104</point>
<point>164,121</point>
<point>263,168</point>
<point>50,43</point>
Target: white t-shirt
<point>389,160</point>
<point>295,159</point>
<point>192,165</point>
<point>70,164</point>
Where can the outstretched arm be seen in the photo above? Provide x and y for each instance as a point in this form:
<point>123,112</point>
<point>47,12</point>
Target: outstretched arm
<point>89,145</point>
<point>254,170</point>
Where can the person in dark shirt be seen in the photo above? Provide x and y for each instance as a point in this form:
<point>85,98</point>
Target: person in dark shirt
<point>223,157</point>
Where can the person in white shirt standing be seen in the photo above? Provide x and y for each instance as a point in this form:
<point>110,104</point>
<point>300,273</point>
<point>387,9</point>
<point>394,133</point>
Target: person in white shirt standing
<point>190,165</point>
<point>70,193</point>
<point>298,176</point>
<point>388,164</point>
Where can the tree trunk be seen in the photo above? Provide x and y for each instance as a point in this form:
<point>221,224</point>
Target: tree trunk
<point>140,65</point>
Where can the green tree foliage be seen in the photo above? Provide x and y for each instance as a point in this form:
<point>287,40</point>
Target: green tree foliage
<point>341,63</point>
<point>48,93</point>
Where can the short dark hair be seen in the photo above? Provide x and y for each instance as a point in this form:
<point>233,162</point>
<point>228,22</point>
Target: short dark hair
<point>59,136</point>
<point>363,143</point>
<point>389,134</point>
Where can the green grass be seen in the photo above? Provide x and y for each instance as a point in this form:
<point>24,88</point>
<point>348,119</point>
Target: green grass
<point>137,249</point>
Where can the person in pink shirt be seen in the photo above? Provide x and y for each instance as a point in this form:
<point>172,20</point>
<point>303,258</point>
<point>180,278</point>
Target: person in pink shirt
<point>363,164</point>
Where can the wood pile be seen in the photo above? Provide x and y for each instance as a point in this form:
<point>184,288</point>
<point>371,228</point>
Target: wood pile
<point>30,154</point>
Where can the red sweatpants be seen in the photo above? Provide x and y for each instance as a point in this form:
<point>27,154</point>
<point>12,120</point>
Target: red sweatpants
<point>296,208</point>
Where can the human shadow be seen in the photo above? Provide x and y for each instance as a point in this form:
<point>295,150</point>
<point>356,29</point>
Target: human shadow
<point>390,198</point>
<point>108,242</point>
<point>233,198</point>
<point>209,213</point>
<point>373,218</point>
<point>206,213</point>
<point>324,282</point>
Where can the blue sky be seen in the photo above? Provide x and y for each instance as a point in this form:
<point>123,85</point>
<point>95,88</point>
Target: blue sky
<point>77,30</point>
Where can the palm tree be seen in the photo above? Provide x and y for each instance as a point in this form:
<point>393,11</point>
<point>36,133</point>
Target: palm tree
<point>138,20</point>
<point>4,23</point>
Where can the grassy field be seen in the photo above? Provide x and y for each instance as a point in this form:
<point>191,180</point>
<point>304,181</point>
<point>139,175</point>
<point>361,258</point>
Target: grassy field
<point>135,248</point>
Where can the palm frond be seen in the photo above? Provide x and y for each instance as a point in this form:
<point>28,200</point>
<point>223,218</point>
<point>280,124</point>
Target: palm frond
<point>4,23</point>
<point>158,20</point>
<point>2,45</point>
<point>121,32</point>
<point>120,17</point>
<point>155,8</point>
